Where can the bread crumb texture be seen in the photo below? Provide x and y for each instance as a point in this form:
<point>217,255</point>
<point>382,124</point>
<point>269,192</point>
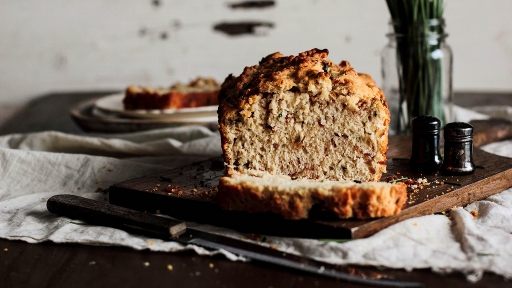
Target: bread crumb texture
<point>305,117</point>
<point>293,199</point>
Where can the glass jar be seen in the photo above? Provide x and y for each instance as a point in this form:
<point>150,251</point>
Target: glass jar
<point>417,74</point>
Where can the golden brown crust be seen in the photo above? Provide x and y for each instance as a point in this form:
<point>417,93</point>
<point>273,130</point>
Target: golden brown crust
<point>365,203</point>
<point>199,92</point>
<point>288,100</point>
<point>293,199</point>
<point>277,72</point>
<point>253,200</point>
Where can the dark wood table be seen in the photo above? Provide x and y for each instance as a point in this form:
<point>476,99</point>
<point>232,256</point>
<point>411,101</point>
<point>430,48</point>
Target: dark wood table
<point>72,265</point>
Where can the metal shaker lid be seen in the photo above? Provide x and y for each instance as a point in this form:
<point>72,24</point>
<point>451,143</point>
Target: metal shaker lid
<point>458,129</point>
<point>425,123</point>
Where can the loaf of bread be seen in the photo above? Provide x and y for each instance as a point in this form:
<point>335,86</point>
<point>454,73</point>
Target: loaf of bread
<point>199,92</point>
<point>305,117</point>
<point>293,199</point>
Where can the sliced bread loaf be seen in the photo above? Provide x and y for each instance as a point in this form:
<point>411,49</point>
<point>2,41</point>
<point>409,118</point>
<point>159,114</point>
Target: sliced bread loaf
<point>306,117</point>
<point>293,199</point>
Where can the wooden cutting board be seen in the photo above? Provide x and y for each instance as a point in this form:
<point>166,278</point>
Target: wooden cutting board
<point>188,193</point>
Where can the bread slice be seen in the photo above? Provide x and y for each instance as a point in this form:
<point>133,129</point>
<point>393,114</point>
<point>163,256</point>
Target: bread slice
<point>199,92</point>
<point>293,199</point>
<point>306,117</point>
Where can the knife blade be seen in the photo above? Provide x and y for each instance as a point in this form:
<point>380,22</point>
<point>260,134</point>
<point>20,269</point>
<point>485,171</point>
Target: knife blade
<point>105,214</point>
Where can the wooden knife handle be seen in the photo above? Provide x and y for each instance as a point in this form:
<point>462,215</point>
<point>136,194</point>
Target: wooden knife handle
<point>105,214</point>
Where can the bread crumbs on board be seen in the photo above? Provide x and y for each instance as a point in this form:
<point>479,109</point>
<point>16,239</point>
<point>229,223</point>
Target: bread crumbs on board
<point>416,185</point>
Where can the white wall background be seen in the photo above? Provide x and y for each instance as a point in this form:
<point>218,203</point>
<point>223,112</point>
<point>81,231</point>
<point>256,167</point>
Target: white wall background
<point>71,45</point>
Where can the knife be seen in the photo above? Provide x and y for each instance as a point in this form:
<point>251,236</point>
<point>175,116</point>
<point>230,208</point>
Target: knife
<point>105,214</point>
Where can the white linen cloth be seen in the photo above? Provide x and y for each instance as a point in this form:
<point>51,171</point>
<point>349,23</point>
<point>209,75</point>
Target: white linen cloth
<point>35,166</point>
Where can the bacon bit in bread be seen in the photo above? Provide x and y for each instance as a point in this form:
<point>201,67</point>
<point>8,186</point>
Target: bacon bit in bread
<point>409,182</point>
<point>474,213</point>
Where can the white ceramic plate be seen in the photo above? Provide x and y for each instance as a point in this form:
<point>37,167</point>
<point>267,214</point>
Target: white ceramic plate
<point>92,119</point>
<point>114,104</point>
<point>101,114</point>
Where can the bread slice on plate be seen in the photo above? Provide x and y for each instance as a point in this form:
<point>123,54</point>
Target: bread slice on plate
<point>198,93</point>
<point>293,199</point>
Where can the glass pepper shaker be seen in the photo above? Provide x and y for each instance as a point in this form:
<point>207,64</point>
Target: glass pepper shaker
<point>425,155</point>
<point>458,149</point>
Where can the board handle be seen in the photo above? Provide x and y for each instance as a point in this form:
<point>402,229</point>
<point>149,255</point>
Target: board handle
<point>105,214</point>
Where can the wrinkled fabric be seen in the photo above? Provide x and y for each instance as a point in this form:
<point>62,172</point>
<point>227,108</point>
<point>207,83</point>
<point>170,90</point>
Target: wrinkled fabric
<point>35,166</point>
